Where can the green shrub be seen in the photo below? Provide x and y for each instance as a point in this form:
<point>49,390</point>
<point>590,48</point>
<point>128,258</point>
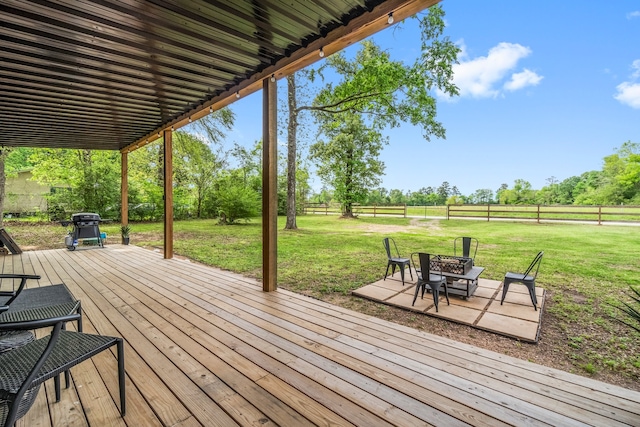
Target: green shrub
<point>237,203</point>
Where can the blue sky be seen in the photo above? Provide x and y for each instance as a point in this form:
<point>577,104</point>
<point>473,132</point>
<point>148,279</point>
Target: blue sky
<point>548,88</point>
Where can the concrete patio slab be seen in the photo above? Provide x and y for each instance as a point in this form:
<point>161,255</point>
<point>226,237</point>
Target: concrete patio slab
<point>455,313</point>
<point>516,318</point>
<point>514,310</point>
<point>376,292</point>
<point>510,326</point>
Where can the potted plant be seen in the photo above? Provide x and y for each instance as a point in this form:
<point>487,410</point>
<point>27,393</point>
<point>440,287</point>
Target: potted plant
<point>124,232</point>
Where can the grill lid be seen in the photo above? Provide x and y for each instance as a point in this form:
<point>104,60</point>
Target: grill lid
<point>85,216</point>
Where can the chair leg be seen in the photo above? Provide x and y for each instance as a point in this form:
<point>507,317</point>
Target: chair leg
<point>401,267</point>
<point>410,273</point>
<point>386,273</point>
<point>415,295</point>
<point>436,296</point>
<point>446,293</point>
<point>121,377</point>
<point>505,288</point>
<point>56,386</point>
<point>532,294</point>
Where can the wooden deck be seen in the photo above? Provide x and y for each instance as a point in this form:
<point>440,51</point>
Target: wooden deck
<point>205,347</point>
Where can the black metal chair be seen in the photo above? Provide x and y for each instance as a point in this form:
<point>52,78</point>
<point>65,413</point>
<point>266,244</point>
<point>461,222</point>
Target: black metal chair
<point>427,278</point>
<point>41,303</point>
<point>24,369</point>
<point>464,244</point>
<point>396,260</point>
<point>527,278</point>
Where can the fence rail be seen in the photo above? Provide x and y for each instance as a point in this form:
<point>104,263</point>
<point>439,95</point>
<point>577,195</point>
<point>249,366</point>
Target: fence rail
<point>375,210</point>
<point>598,214</point>
<point>538,213</point>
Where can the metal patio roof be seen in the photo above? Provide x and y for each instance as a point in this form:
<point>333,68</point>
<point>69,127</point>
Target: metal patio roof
<point>111,74</point>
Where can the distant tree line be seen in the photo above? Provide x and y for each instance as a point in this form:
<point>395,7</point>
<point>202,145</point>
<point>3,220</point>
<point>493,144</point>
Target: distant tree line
<point>206,186</point>
<point>617,183</point>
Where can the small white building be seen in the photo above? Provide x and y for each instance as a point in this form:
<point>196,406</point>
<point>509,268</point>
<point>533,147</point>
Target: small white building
<point>24,196</point>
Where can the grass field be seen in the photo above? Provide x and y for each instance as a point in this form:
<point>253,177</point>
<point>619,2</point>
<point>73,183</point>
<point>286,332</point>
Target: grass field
<point>586,268</point>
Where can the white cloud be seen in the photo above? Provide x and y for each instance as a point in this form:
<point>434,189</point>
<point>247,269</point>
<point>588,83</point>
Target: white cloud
<point>523,79</point>
<point>629,92</point>
<point>636,66</point>
<point>635,14</point>
<point>484,76</point>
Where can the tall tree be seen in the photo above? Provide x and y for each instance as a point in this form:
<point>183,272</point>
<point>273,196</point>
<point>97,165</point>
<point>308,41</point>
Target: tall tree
<point>292,139</point>
<point>3,180</point>
<point>444,191</point>
<point>199,163</point>
<point>92,179</point>
<point>349,159</point>
<point>388,92</point>
<point>214,127</point>
<point>482,195</point>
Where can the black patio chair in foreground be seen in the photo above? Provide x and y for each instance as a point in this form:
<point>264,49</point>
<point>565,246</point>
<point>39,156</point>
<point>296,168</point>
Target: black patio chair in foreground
<point>395,260</point>
<point>37,303</point>
<point>41,303</point>
<point>426,278</point>
<point>528,278</point>
<point>465,245</point>
<point>24,369</point>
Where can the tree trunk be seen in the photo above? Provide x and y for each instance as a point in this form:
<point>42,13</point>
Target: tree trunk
<point>348,205</point>
<point>3,180</point>
<point>291,153</point>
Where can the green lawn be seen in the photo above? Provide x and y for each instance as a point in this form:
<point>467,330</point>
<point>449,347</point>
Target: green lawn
<point>585,269</point>
<point>599,262</point>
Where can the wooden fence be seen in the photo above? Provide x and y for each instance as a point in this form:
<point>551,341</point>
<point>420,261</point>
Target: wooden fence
<point>538,213</point>
<point>334,209</point>
<point>596,214</point>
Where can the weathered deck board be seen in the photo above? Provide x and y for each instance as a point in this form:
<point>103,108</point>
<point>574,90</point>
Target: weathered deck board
<point>207,347</point>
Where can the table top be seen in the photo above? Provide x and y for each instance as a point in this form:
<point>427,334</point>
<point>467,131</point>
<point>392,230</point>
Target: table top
<point>473,274</point>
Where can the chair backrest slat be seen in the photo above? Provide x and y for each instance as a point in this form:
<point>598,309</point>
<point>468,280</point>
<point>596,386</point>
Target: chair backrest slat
<point>387,241</point>
<point>466,247</point>
<point>423,268</point>
<point>535,264</point>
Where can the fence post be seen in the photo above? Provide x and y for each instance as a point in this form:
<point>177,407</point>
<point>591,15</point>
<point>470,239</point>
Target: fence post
<point>405,210</point>
<point>488,212</point>
<point>599,215</point>
<point>447,211</point>
<point>538,213</point>
<point>374,210</point>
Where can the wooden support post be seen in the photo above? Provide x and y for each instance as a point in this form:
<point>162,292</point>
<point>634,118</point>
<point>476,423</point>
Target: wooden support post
<point>124,189</point>
<point>168,194</point>
<point>488,212</point>
<point>269,186</point>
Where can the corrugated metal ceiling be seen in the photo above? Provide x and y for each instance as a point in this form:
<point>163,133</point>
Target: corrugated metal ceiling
<point>103,74</point>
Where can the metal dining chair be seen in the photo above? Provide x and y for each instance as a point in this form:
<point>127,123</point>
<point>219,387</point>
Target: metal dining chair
<point>434,280</point>
<point>395,260</point>
<point>528,278</point>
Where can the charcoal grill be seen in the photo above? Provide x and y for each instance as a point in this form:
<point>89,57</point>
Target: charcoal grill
<point>85,226</point>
